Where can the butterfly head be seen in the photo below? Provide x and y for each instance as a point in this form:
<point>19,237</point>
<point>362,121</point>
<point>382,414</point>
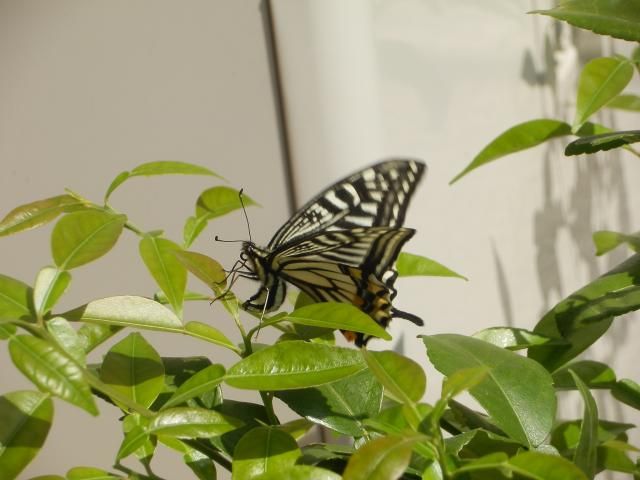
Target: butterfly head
<point>254,259</point>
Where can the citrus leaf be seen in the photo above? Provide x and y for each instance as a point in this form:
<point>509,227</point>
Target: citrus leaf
<point>66,336</point>
<point>51,371</point>
<point>409,265</point>
<point>203,381</point>
<point>403,379</point>
<point>210,334</point>
<point>617,19</point>
<point>514,338</point>
<point>50,284</point>
<point>192,422</point>
<point>205,268</point>
<point>594,375</point>
<point>126,311</point>
<point>585,456</point>
<point>159,256</point>
<point>520,137</point>
<point>385,458</point>
<point>517,393</point>
<point>602,142</point>
<point>294,364</point>
<point>26,419</point>
<point>625,102</point>
<point>264,450</point>
<point>600,81</point>
<point>15,299</point>
<point>627,391</point>
<point>606,240</point>
<point>37,213</point>
<point>81,237</point>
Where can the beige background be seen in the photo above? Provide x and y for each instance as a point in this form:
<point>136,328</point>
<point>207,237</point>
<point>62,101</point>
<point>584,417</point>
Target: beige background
<point>91,88</point>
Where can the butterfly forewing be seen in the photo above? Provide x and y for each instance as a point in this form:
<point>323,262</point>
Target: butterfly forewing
<point>377,196</point>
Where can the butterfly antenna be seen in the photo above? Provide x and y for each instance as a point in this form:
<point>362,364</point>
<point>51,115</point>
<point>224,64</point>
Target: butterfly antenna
<point>244,210</point>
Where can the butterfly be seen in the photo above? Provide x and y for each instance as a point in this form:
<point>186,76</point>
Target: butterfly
<point>341,246</point>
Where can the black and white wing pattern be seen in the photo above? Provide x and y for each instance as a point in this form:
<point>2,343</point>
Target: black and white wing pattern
<point>342,245</point>
<point>376,196</point>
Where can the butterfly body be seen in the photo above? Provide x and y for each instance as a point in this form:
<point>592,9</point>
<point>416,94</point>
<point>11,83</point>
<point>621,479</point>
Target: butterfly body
<point>341,246</point>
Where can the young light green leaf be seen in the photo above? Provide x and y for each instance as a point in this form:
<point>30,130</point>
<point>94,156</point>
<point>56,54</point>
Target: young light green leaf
<point>159,256</point>
<point>341,406</point>
<point>403,379</point>
<point>409,265</point>
<point>594,374</point>
<point>15,299</point>
<point>627,391</point>
<point>584,316</point>
<point>618,19</point>
<point>134,368</point>
<point>210,334</point>
<point>203,381</point>
<point>163,167</point>
<point>541,466</point>
<point>26,419</point>
<point>192,422</point>
<point>520,137</point>
<point>193,227</point>
<point>134,426</point>
<point>602,142</point>
<point>585,456</point>
<point>514,338</point>
<point>385,458</point>
<point>37,213</point>
<point>90,473</point>
<point>67,338</point>
<point>133,440</point>
<point>264,450</point>
<point>126,311</point>
<point>336,315</point>
<point>50,284</point>
<point>606,240</point>
<point>203,267</point>
<point>294,364</point>
<point>517,393</point>
<point>218,201</point>
<point>462,380</point>
<point>600,81</point>
<point>625,102</point>
<point>300,472</point>
<point>81,237</point>
<point>51,371</point>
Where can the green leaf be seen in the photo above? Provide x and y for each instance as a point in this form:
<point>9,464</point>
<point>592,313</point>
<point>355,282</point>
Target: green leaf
<point>92,335</point>
<point>203,381</point>
<point>585,455</point>
<point>89,473</point>
<point>600,81</point>
<point>594,374</point>
<point>540,466</point>
<point>409,265</point>
<point>134,427</point>
<point>35,214</point>
<point>627,391</point>
<point>520,137</point>
<point>218,201</point>
<point>50,284</point>
<point>51,371</point>
<point>612,455</point>
<point>126,311</point>
<point>517,393</point>
<point>133,440</point>
<point>602,142</point>
<point>295,364</point>
<point>163,167</point>
<point>617,19</point>
<point>26,419</point>
<point>300,472</point>
<point>462,380</point>
<point>203,267</point>
<point>209,334</point>
<point>514,338</point>
<point>81,237</point>
<point>159,256</point>
<point>585,315</point>
<point>263,450</point>
<point>341,406</point>
<point>606,240</point>
<point>403,379</point>
<point>337,315</point>
<point>15,299</point>
<point>201,465</point>
<point>192,422</point>
<point>67,338</point>
<point>625,102</point>
<point>384,458</point>
<point>134,368</point>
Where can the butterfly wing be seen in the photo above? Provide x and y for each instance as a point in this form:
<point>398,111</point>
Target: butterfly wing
<point>351,266</point>
<point>377,196</point>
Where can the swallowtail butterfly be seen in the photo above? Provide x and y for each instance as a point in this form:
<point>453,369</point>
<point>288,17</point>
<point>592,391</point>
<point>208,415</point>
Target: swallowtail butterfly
<point>342,245</point>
